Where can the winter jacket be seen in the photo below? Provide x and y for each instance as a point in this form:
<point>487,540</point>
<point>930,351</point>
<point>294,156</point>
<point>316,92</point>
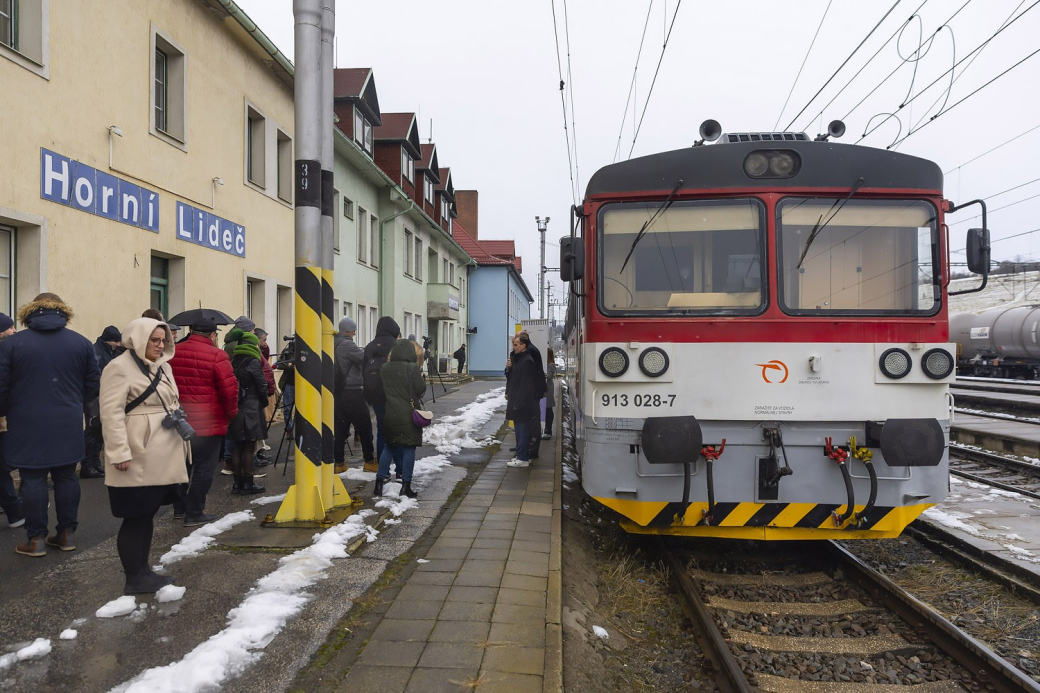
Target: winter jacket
<point>207,384</point>
<point>249,423</point>
<point>156,454</point>
<point>47,374</point>
<point>550,389</point>
<point>105,353</point>
<point>387,332</point>
<point>403,385</point>
<point>350,360</point>
<point>525,387</point>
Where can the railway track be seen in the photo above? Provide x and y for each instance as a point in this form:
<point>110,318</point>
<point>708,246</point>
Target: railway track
<point>996,470</point>
<point>817,618</point>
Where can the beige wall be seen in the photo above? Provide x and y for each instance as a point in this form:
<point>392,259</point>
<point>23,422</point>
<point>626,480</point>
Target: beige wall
<point>100,74</point>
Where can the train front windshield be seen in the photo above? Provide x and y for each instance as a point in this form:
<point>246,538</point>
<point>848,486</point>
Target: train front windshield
<point>861,257</point>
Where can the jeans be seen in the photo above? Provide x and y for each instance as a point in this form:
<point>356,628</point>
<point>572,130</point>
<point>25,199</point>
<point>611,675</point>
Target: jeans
<point>402,456</point>
<point>548,420</point>
<point>288,401</point>
<point>94,444</point>
<point>352,410</point>
<point>523,440</point>
<point>380,410</point>
<point>9,500</point>
<point>34,498</point>
<point>205,453</point>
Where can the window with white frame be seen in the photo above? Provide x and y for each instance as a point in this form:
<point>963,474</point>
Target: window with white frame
<point>428,188</point>
<point>362,319</point>
<point>6,270</point>
<point>444,270</point>
<point>24,34</point>
<point>407,323</point>
<point>285,168</point>
<point>445,209</point>
<point>362,235</point>
<point>373,247</point>
<point>335,222</point>
<point>418,258</point>
<point>348,208</point>
<point>362,131</point>
<point>407,165</point>
<point>169,74</point>
<point>408,256</point>
<point>451,274</point>
<point>256,139</point>
<point>373,320</point>
<point>348,311</point>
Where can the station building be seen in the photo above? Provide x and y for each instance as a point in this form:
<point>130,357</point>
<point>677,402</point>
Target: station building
<point>148,150</point>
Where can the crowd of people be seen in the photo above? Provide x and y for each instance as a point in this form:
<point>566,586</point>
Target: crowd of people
<point>166,412</point>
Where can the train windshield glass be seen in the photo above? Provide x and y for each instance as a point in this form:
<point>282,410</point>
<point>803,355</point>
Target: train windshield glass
<point>697,257</point>
<point>860,257</point>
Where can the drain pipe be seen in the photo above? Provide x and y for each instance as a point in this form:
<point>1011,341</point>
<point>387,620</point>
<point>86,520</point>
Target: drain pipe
<point>382,225</point>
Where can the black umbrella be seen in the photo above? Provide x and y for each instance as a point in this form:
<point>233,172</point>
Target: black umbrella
<point>197,317</point>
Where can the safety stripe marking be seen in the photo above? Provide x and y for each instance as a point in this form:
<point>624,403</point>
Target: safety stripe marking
<point>308,434</point>
<point>739,516</point>
<point>722,512</point>
<point>765,514</point>
<point>817,516</point>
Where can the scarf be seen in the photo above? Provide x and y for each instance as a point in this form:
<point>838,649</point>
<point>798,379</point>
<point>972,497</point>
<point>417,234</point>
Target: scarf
<point>248,345</point>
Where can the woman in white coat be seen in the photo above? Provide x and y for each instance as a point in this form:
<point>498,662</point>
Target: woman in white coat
<point>145,454</point>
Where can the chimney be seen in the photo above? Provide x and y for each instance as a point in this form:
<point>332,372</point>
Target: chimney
<point>466,204</point>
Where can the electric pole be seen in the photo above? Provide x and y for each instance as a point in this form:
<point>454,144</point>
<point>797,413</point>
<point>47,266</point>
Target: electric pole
<point>542,224</point>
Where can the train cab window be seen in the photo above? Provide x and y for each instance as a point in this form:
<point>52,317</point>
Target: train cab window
<point>863,257</point>
<point>690,258</point>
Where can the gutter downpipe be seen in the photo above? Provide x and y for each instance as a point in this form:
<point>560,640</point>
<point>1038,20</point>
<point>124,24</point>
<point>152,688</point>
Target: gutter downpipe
<point>382,237</point>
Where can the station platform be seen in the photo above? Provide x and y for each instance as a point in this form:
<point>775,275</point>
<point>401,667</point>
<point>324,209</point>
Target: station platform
<point>481,609</point>
<point>1007,435</point>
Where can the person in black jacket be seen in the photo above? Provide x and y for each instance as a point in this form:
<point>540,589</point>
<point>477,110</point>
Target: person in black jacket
<point>48,374</point>
<point>351,409</point>
<point>524,390</point>
<point>460,357</point>
<point>108,346</point>
<point>377,352</point>
<point>249,424</point>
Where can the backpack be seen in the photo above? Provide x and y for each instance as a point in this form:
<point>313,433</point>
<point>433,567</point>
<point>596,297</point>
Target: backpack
<point>373,381</point>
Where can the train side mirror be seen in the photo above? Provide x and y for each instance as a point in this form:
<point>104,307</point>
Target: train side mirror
<point>978,251</point>
<point>572,258</point>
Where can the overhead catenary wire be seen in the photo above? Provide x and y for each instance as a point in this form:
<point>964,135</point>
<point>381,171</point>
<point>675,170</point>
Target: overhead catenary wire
<point>654,81</point>
<point>795,83</point>
<point>990,151</point>
<point>563,103</point>
<point>570,93</point>
<point>840,67</point>
<point>632,86</point>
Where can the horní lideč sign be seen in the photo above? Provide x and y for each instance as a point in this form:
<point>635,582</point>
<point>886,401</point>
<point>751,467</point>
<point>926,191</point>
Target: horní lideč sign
<point>202,228</point>
<point>74,184</point>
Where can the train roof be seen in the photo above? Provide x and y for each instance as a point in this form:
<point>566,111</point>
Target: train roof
<point>824,164</point>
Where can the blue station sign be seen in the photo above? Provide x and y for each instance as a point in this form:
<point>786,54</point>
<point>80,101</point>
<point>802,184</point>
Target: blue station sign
<point>203,228</point>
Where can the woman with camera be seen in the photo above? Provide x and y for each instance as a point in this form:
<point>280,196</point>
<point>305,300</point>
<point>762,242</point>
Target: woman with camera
<point>249,425</point>
<point>146,444</point>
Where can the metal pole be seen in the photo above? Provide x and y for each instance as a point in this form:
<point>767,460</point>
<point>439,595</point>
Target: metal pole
<point>542,224</point>
<point>303,502</point>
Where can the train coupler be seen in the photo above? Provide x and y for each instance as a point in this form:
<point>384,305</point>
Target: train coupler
<point>838,453</point>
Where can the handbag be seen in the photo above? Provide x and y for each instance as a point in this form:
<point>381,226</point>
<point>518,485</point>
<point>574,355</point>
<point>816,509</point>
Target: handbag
<point>421,417</point>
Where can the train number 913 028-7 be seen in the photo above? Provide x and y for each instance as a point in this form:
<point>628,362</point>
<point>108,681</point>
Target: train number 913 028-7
<point>638,400</point>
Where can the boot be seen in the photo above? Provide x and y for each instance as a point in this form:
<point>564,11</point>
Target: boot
<point>371,466</point>
<point>64,540</point>
<point>146,582</point>
<point>339,467</point>
<point>91,470</point>
<point>236,488</point>
<point>406,490</point>
<point>32,547</point>
<point>377,491</point>
<point>249,487</point>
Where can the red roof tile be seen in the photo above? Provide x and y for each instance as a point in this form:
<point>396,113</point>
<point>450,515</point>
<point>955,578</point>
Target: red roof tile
<point>476,249</point>
<point>503,249</point>
<point>396,126</point>
<point>347,82</point>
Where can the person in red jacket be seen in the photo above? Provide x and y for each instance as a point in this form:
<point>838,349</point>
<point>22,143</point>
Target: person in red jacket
<point>209,396</point>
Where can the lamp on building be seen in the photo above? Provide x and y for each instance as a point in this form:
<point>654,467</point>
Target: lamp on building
<point>217,180</point>
<point>112,130</point>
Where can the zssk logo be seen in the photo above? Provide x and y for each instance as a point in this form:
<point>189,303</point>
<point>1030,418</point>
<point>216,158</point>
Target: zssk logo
<point>774,372</point>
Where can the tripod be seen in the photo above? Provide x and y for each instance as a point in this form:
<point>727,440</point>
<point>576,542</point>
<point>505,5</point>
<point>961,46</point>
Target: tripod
<point>431,366</point>
<point>281,442</point>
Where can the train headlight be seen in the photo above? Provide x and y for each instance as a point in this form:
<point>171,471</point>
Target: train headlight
<point>653,362</point>
<point>756,164</point>
<point>781,164</point>
<point>895,363</point>
<point>937,364</point>
<point>613,362</point>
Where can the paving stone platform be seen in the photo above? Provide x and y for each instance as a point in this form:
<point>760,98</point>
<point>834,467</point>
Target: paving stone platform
<point>482,609</point>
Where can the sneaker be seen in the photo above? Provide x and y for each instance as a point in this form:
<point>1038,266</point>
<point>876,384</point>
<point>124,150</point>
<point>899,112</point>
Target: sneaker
<point>546,436</point>
<point>260,462</point>
<point>17,523</point>
<point>64,540</point>
<point>259,475</point>
<point>226,471</point>
<point>196,520</point>
<point>32,547</point>
<point>263,456</point>
<point>518,463</point>
<point>178,515</point>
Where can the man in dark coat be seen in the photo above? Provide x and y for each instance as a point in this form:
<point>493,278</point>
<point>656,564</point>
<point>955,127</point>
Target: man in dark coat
<point>48,373</point>
<point>106,347</point>
<point>209,396</point>
<point>460,357</point>
<point>351,409</point>
<point>524,389</point>
<point>10,501</point>
<point>377,352</point>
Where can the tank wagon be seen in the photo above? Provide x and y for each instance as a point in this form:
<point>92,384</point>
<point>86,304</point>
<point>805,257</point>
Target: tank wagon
<point>998,343</point>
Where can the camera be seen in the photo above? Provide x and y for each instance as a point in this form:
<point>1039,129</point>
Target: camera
<point>287,356</point>
<point>426,342</point>
<point>178,420</point>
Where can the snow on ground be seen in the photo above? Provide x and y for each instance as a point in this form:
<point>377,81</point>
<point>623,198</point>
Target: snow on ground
<point>450,434</point>
<point>68,634</point>
<point>265,500</point>
<point>170,593</point>
<point>971,523</point>
<point>1002,290</point>
<point>117,607</point>
<point>39,648</point>
<point>196,542</point>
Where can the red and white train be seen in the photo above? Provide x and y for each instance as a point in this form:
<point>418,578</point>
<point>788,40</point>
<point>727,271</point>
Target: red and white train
<point>759,335</point>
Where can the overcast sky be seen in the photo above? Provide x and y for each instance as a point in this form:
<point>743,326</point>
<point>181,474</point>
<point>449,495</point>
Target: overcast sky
<point>486,74</point>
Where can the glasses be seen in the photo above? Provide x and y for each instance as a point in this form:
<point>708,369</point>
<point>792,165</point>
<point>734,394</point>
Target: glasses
<point>157,340</point>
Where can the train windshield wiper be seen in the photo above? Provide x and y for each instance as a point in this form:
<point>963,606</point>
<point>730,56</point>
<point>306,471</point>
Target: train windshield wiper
<point>650,222</point>
<point>821,224</point>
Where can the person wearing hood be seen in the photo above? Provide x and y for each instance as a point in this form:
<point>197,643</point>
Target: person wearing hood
<point>242,325</point>
<point>48,374</point>
<point>10,501</point>
<point>377,353</point>
<point>108,346</point>
<point>403,385</point>
<point>351,409</point>
<point>248,426</point>
<point>147,457</point>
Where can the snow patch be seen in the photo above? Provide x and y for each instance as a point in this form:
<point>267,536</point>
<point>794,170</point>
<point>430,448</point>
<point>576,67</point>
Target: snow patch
<point>601,633</point>
<point>170,593</point>
<point>196,542</point>
<point>948,520</point>
<point>117,607</point>
<point>68,634</point>
<point>264,500</point>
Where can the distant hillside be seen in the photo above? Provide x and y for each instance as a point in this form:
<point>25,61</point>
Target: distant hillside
<point>1002,291</point>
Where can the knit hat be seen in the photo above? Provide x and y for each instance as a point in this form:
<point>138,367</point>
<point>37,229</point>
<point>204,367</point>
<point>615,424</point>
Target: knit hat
<point>245,324</point>
<point>347,325</point>
<point>111,334</point>
<point>6,322</point>
<point>248,344</point>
